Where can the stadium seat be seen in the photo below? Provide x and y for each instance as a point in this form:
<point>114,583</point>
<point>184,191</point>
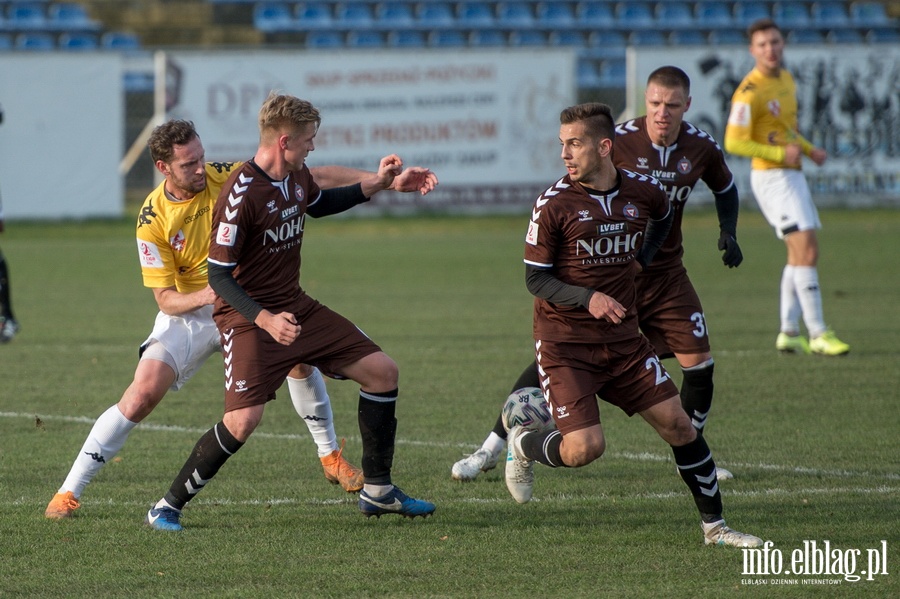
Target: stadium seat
<point>35,41</point>
<point>365,38</point>
<point>830,14</point>
<point>883,35</point>
<point>527,38</point>
<point>447,38</point>
<point>613,73</point>
<point>475,14</point>
<point>313,15</point>
<point>805,36</point>
<point>674,14</point>
<point>748,12</point>
<point>24,17</point>
<point>120,40</point>
<point>68,16</point>
<point>321,40</point>
<point>687,37</point>
<point>487,38</point>
<point>647,37</point>
<point>515,15</point>
<point>395,15</point>
<point>714,14</point>
<point>568,38</point>
<point>611,40</point>
<point>845,36</point>
<point>790,15</point>
<point>272,16</point>
<point>595,15</point>
<point>632,15</point>
<point>6,42</point>
<point>869,14</point>
<point>556,15</point>
<point>588,75</point>
<point>726,37</point>
<point>355,15</point>
<point>77,40</point>
<point>406,38</point>
<point>436,15</point>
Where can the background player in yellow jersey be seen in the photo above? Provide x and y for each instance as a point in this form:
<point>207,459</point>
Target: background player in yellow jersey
<point>173,244</point>
<point>763,125</point>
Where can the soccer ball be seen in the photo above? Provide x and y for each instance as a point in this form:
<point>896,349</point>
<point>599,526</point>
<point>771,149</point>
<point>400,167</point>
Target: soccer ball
<point>527,407</point>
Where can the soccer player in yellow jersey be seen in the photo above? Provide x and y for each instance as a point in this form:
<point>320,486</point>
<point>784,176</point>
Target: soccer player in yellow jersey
<point>173,232</point>
<point>763,125</point>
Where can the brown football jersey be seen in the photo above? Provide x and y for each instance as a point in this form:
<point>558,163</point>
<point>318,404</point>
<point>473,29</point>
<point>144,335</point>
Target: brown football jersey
<point>694,156</point>
<point>590,240</point>
<point>257,227</point>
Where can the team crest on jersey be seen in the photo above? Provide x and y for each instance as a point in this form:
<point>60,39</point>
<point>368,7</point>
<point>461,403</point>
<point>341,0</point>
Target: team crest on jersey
<point>177,242</point>
<point>630,211</point>
<point>643,163</point>
<point>227,234</point>
<point>271,206</point>
<point>774,107</point>
<point>298,191</point>
<point>684,166</point>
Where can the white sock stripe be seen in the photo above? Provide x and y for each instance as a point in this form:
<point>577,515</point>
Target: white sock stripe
<point>552,435</point>
<point>219,440</point>
<point>378,398</point>
<point>697,465</point>
<point>699,366</point>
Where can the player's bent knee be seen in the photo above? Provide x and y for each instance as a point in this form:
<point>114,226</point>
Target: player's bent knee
<point>581,452</point>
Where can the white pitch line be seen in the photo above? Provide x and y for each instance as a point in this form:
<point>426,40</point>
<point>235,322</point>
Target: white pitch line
<point>622,455</point>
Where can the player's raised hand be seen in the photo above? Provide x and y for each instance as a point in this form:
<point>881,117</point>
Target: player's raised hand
<point>415,178</point>
<point>388,169</point>
<point>603,307</point>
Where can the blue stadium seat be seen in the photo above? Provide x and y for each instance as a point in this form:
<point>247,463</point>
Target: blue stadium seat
<point>355,15</point>
<point>613,73</point>
<point>611,40</point>
<point>437,15</point>
<point>515,15</point>
<point>77,40</point>
<point>633,15</point>
<point>475,14</point>
<point>35,41</point>
<point>714,14</point>
<point>647,37</point>
<point>845,36</point>
<point>790,15</point>
<point>674,14</point>
<point>6,42</point>
<point>883,35</point>
<point>748,12</point>
<point>567,37</point>
<point>805,36</point>
<point>830,14</point>
<point>527,38</point>
<point>313,15</point>
<point>395,15</point>
<point>588,75</point>
<point>447,38</point>
<point>324,40</point>
<point>68,16</point>
<point>687,37</point>
<point>365,38</point>
<point>272,16</point>
<point>556,15</point>
<point>120,40</point>
<point>869,14</point>
<point>595,14</point>
<point>725,37</point>
<point>487,38</point>
<point>406,38</point>
<point>24,17</point>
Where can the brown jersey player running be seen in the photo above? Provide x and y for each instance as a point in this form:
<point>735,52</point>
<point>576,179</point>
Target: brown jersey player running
<point>267,322</point>
<point>678,154</point>
<point>582,252</point>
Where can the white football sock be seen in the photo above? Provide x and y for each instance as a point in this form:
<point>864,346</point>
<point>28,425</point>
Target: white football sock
<point>106,438</point>
<point>310,399</point>
<point>494,444</point>
<point>790,304</point>
<point>806,283</point>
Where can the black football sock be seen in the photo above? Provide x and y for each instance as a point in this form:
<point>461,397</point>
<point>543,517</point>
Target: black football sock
<point>211,451</point>
<point>5,305</point>
<point>543,447</point>
<point>698,470</point>
<point>697,394</point>
<point>378,427</point>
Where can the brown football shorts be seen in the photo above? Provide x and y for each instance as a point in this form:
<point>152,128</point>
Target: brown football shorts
<point>670,313</point>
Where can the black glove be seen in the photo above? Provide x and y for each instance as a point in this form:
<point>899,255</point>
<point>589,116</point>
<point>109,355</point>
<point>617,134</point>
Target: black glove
<point>732,256</point>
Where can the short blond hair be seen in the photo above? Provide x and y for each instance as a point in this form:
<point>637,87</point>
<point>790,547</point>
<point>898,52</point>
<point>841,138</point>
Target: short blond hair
<point>281,112</point>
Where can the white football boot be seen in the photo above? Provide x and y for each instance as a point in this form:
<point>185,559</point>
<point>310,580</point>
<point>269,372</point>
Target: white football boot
<point>716,533</point>
<point>519,469</point>
<point>472,465</point>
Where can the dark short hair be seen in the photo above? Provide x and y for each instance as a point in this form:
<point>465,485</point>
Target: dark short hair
<point>669,76</point>
<point>164,138</point>
<point>597,117</point>
<point>761,25</point>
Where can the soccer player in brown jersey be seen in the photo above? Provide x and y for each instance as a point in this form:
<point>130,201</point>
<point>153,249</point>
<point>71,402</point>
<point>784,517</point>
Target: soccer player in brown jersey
<point>583,250</point>
<point>762,125</point>
<point>267,322</point>
<point>662,144</point>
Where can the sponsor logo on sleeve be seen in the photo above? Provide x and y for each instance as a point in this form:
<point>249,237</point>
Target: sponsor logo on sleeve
<point>149,254</point>
<point>227,234</point>
<point>532,236</point>
<point>740,114</point>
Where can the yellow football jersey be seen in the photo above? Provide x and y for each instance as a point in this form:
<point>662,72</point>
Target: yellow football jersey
<point>763,119</point>
<point>173,237</point>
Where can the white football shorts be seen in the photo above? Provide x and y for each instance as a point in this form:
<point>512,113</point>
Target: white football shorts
<point>183,342</point>
<point>784,199</point>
